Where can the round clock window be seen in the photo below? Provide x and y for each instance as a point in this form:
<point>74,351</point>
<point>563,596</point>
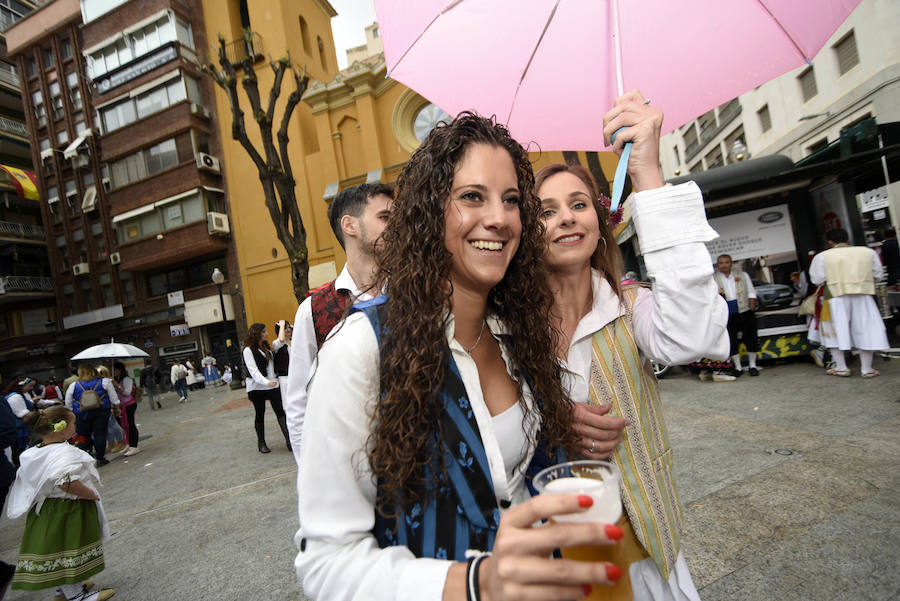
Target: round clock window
<point>427,117</point>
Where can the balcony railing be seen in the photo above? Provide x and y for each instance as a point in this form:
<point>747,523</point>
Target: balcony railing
<point>9,77</point>
<point>13,127</point>
<point>243,47</point>
<point>25,283</point>
<point>21,230</point>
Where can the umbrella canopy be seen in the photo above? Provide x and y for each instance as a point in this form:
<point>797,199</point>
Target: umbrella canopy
<point>110,350</point>
<point>551,69</point>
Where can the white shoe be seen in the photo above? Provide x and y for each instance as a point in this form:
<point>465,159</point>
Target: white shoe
<point>723,377</point>
<point>182,400</point>
<point>131,451</point>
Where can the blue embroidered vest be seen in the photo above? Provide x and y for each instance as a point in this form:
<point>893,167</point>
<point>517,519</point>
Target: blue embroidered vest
<point>461,510</point>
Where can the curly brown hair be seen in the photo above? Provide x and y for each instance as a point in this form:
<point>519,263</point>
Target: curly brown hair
<point>607,258</point>
<point>414,265</point>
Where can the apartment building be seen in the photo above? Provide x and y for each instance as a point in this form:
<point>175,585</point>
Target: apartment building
<point>854,77</point>
<point>135,202</point>
<point>27,302</point>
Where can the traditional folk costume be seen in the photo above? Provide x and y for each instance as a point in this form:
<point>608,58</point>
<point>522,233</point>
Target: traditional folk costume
<point>63,540</point>
<point>738,289</point>
<point>210,372</point>
<point>346,547</point>
<point>850,317</point>
<point>316,316</point>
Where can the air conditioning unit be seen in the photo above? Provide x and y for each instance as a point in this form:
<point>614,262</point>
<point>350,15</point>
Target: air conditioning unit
<point>217,223</point>
<point>199,110</point>
<point>115,258</point>
<point>106,185</point>
<point>207,162</point>
<point>81,268</point>
<point>81,161</point>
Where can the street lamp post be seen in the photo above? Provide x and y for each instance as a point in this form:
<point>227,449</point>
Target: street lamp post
<point>218,279</point>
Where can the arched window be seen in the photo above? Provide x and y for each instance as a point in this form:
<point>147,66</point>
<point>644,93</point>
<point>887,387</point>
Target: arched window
<point>321,45</point>
<point>304,35</point>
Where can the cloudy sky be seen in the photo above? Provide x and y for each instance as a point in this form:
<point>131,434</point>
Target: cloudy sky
<point>350,24</point>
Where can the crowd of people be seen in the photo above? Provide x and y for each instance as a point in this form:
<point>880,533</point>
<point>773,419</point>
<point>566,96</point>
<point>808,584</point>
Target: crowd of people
<point>482,328</point>
<point>53,437</point>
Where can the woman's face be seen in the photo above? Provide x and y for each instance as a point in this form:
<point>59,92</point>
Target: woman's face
<point>482,226</point>
<point>28,387</point>
<point>573,230</point>
<point>264,335</point>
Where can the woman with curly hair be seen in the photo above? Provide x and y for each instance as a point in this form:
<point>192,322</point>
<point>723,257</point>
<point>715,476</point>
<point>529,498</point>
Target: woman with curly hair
<point>611,329</point>
<point>431,404</point>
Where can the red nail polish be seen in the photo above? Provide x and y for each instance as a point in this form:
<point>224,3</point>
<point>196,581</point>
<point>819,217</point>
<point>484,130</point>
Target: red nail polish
<point>587,588</point>
<point>613,532</point>
<point>585,501</point>
<point>613,573</point>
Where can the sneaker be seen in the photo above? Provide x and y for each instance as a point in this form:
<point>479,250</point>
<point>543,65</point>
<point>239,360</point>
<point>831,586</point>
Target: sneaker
<point>818,357</point>
<point>131,451</point>
<point>182,400</point>
<point>720,376</point>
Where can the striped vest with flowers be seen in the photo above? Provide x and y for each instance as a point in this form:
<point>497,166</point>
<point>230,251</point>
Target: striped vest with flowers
<point>622,376</point>
<point>460,511</point>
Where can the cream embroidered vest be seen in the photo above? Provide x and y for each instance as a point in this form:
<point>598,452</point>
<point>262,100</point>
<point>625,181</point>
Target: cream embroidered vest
<point>622,376</point>
<point>740,286</point>
<point>848,270</point>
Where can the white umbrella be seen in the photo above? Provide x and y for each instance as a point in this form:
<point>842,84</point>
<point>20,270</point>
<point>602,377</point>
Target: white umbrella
<point>110,350</point>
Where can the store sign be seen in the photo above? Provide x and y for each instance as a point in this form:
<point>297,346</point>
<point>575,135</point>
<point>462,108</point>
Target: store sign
<point>179,329</point>
<point>873,199</point>
<point>175,298</point>
<point>136,69</point>
<point>753,234</point>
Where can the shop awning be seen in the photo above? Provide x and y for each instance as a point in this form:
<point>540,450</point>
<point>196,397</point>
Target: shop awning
<point>134,213</point>
<point>72,149</point>
<point>23,182</point>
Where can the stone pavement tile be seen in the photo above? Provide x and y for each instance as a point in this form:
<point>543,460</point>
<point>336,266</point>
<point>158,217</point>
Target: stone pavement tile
<point>732,527</point>
<point>851,556</point>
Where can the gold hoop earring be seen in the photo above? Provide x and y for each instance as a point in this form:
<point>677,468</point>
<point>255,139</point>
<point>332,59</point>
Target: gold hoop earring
<point>603,240</point>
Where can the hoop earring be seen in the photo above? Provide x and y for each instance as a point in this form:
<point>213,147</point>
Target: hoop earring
<point>603,240</point>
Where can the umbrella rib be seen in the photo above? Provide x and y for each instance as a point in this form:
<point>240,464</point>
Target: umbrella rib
<point>786,32</point>
<point>531,58</point>
<point>449,7</point>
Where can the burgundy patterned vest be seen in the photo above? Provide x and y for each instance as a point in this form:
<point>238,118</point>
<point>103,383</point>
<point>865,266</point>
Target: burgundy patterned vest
<point>328,306</point>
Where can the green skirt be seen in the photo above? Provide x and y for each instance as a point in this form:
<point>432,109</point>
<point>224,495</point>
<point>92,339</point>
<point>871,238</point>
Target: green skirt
<point>62,545</point>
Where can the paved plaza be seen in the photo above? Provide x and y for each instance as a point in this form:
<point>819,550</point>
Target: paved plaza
<point>789,483</point>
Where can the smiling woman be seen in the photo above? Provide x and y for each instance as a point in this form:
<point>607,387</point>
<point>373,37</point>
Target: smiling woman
<point>434,390</point>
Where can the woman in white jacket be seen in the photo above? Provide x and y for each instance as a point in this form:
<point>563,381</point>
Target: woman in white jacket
<point>610,330</point>
<point>262,385</point>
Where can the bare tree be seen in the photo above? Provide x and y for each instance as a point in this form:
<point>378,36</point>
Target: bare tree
<point>273,163</point>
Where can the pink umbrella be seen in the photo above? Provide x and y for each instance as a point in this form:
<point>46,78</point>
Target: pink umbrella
<point>551,69</point>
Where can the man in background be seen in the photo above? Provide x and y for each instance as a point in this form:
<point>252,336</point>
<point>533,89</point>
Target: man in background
<point>737,288</point>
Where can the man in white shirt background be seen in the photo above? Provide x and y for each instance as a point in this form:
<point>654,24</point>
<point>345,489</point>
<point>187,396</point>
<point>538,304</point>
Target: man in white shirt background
<point>737,288</point>
<point>358,217</point>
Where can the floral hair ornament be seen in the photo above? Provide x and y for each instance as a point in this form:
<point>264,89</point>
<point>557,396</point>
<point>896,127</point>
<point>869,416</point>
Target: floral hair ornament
<point>60,425</point>
<point>25,381</point>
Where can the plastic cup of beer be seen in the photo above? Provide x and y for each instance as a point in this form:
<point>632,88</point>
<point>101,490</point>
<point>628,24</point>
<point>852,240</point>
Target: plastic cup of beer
<point>599,480</point>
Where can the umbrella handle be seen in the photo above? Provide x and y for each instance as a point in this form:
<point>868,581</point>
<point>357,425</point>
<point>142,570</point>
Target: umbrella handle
<point>621,172</point>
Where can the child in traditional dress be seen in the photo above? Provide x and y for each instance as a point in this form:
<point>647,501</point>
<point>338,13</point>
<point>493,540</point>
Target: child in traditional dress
<point>56,485</point>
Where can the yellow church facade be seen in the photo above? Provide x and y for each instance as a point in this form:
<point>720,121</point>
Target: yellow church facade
<point>353,126</point>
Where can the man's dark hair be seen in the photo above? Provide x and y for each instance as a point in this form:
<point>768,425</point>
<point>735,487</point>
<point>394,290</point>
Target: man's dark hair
<point>720,256</point>
<point>838,236</point>
<point>352,201</point>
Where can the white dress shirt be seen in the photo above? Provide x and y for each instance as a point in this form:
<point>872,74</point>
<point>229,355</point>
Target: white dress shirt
<point>303,356</point>
<point>341,559</point>
<point>258,380</point>
<point>16,402</point>
<point>729,285</point>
